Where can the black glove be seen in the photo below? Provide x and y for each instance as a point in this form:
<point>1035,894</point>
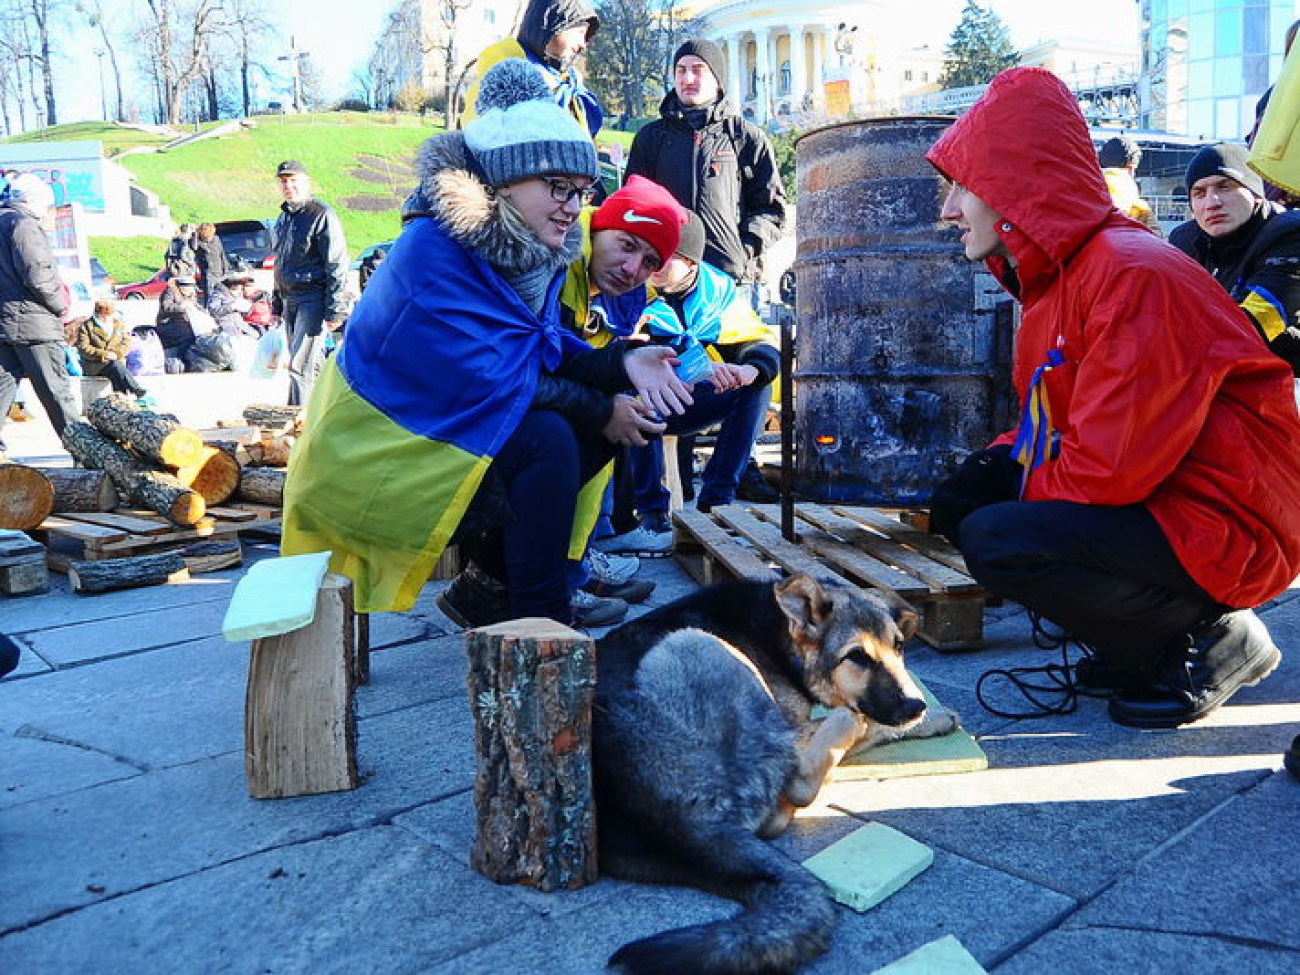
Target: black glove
<point>985,477</point>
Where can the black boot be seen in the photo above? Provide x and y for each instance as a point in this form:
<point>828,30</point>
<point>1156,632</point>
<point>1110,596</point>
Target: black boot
<point>9,654</point>
<point>1292,758</point>
<point>1232,652</point>
<point>474,599</point>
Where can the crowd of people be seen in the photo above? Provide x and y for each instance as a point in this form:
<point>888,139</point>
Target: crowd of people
<point>519,352</point>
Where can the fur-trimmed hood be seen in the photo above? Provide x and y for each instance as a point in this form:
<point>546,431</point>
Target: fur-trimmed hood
<point>475,216</point>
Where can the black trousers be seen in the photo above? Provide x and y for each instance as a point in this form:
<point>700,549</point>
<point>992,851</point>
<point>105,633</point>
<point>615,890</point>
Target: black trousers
<point>45,364</point>
<point>1105,574</point>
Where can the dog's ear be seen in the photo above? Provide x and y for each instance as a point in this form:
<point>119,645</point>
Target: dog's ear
<point>804,602</point>
<point>906,619</point>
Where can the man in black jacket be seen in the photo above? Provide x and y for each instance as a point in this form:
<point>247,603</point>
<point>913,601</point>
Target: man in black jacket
<point>714,163</point>
<point>32,303</point>
<point>311,266</point>
<point>1251,246</point>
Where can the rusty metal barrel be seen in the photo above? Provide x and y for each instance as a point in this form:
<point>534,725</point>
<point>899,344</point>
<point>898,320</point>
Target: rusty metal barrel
<point>903,346</point>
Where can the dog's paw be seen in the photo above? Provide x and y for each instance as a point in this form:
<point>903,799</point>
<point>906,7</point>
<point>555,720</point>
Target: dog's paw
<point>937,721</point>
<point>842,728</point>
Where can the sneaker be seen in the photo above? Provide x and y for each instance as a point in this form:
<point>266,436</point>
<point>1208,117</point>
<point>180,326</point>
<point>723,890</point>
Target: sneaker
<point>632,591</point>
<point>590,611</point>
<point>474,599</point>
<point>612,570</point>
<point>652,538</point>
<point>145,400</point>
<point>1221,658</point>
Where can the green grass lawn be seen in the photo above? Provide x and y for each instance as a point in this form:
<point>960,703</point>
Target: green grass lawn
<point>361,163</point>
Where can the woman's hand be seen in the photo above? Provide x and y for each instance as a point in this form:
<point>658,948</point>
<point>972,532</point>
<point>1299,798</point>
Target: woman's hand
<point>629,423</point>
<point>728,376</point>
<point>650,369</point>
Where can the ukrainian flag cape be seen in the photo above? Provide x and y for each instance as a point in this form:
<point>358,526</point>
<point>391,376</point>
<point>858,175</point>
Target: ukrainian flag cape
<point>439,365</point>
<point>716,314</point>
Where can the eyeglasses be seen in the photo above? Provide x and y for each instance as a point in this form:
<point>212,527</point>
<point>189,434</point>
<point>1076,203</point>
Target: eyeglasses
<point>562,191</point>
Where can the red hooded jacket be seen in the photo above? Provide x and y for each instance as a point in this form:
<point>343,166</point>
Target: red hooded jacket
<point>1166,394</point>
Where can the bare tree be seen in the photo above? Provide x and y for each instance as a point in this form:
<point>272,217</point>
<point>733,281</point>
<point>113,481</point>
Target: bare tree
<point>180,38</point>
<point>94,13</point>
<point>41,11</point>
<point>453,66</point>
<point>244,22</point>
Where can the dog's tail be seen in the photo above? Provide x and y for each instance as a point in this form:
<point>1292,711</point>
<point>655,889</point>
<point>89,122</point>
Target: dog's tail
<point>787,920</point>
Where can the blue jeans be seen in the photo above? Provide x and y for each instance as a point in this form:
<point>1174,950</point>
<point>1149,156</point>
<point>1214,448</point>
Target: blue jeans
<point>303,316</point>
<point>543,465</point>
<point>741,412</point>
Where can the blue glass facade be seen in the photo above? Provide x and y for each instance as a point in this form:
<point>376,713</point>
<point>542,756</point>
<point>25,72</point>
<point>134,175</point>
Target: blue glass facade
<point>1208,61</point>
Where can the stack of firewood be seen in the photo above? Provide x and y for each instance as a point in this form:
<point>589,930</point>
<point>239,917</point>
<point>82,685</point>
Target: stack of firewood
<point>261,442</point>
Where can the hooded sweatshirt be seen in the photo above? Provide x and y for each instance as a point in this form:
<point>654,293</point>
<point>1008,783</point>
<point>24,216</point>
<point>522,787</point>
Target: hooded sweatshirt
<point>1144,381</point>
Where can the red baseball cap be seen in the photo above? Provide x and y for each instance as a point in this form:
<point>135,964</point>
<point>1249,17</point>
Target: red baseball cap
<point>644,209</point>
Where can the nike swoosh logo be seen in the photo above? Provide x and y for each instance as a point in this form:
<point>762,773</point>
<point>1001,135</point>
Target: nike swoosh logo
<point>633,217</point>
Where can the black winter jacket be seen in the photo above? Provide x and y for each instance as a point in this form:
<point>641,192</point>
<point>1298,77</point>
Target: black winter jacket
<point>32,299</point>
<point>1259,265</point>
<point>311,256</point>
<point>723,168</point>
<point>213,264</point>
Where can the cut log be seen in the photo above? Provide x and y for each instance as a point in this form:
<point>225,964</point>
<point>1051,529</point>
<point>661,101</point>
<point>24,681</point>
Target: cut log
<point>79,489</point>
<point>265,485</point>
<point>300,733</point>
<point>26,497</point>
<point>215,476</point>
<point>211,556</point>
<point>272,416</point>
<point>135,479</point>
<point>531,685</point>
<point>23,571</point>
<point>270,452</point>
<point>106,575</point>
<point>156,436</point>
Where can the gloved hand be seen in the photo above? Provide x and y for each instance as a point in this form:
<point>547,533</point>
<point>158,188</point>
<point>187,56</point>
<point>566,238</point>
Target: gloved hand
<point>984,477</point>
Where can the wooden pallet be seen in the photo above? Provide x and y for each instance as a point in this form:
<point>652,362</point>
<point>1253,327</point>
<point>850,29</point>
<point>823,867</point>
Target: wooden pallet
<point>840,545</point>
<point>92,536</point>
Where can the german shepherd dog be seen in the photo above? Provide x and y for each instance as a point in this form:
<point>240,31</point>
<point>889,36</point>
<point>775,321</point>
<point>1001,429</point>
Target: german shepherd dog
<point>704,746</point>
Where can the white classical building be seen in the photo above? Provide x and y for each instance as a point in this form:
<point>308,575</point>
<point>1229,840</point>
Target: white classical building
<point>790,57</point>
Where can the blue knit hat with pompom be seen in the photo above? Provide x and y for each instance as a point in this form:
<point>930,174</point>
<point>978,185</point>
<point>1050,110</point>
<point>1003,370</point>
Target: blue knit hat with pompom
<point>520,133</point>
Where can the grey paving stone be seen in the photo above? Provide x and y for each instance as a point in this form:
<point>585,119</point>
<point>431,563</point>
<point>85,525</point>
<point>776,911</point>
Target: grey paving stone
<point>374,900</point>
<point>153,828</point>
<point>143,629</point>
<point>1070,826</point>
<point>1247,850</point>
<point>34,768</point>
<point>1106,951</point>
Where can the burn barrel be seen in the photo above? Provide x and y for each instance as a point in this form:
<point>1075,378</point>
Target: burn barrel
<point>902,347</point>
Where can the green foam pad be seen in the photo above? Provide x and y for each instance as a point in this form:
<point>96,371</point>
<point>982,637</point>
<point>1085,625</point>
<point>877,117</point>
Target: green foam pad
<point>956,751</point>
<point>275,596</point>
<point>947,956</point>
<point>869,864</point>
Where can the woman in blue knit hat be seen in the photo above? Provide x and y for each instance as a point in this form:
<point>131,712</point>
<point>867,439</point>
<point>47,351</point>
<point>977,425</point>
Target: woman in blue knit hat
<point>435,418</point>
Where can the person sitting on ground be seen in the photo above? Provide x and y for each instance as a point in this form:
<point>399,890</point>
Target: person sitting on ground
<point>701,314</point>
<point>1151,494</point>
<point>1119,158</point>
<point>430,401</point>
<point>103,343</point>
<point>552,36</point>
<point>1251,246</point>
<point>210,259</point>
<point>180,321</point>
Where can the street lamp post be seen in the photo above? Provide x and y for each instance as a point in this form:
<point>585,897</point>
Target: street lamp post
<point>103,98</point>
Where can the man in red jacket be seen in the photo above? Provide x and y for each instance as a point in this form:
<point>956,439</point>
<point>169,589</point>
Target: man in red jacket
<point>1151,494</point>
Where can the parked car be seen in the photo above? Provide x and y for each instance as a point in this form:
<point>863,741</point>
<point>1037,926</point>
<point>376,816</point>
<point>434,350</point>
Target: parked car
<point>102,284</point>
<point>247,243</point>
<point>150,287</point>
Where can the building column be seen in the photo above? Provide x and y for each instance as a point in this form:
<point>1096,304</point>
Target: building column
<point>735,70</point>
<point>763,65</point>
<point>798,70</point>
<point>818,63</point>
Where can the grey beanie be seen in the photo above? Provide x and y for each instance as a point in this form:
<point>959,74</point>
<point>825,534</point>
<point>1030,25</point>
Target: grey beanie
<point>520,133</point>
<point>1225,159</point>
